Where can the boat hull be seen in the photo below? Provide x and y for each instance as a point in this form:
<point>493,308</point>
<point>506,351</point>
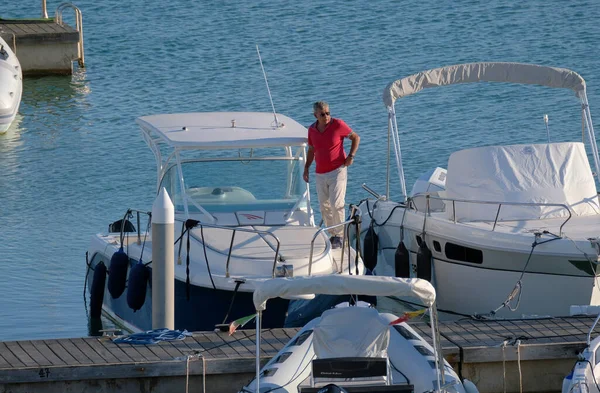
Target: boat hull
<point>555,276</point>
<point>206,307</point>
<point>11,86</point>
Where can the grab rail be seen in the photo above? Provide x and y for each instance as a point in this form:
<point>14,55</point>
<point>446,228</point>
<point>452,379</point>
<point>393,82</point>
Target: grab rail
<point>428,196</point>
<point>312,243</point>
<point>58,18</point>
<point>256,231</point>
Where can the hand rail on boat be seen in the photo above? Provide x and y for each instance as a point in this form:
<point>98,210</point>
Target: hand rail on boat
<point>589,336</point>
<point>256,231</point>
<point>312,243</point>
<point>428,196</point>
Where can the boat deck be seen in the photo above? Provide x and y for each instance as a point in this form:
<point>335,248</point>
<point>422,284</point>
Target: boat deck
<point>206,354</point>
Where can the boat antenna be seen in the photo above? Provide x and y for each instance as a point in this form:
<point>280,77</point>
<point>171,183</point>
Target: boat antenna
<point>547,129</point>
<point>277,124</point>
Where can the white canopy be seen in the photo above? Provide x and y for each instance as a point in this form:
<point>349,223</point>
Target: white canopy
<point>487,72</point>
<point>557,173</point>
<point>351,332</point>
<point>343,284</point>
<point>224,130</point>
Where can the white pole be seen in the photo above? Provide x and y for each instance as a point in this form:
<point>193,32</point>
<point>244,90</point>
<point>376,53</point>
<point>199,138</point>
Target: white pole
<point>258,328</point>
<point>44,11</point>
<point>163,266</point>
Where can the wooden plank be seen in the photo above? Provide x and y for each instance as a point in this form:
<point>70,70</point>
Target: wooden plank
<point>89,351</point>
<point>115,350</point>
<point>12,360</point>
<point>223,346</point>
<point>25,28</point>
<point>17,351</point>
<point>268,343</point>
<point>210,348</point>
<point>526,351</point>
<point>47,353</point>
<point>236,344</point>
<point>130,351</point>
<point>4,362</point>
<point>101,350</point>
<point>148,355</point>
<point>159,352</point>
<point>172,349</point>
<point>60,352</point>
<point>74,351</point>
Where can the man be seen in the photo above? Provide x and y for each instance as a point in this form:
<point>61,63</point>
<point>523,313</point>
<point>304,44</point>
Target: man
<point>326,146</point>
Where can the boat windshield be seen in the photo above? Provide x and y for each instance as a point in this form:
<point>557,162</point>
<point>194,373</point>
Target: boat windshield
<point>230,185</point>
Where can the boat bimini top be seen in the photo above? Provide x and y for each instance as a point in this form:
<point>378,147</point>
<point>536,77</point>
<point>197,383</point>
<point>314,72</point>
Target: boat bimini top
<point>223,130</point>
<point>178,141</point>
<point>484,72</point>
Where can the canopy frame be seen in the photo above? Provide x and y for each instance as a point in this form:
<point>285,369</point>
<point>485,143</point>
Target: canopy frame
<point>519,73</point>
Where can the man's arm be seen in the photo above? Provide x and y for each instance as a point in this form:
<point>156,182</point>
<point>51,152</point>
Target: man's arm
<point>353,148</point>
<point>310,156</point>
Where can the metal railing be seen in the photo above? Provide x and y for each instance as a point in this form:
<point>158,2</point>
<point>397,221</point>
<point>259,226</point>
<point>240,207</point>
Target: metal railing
<point>346,225</point>
<point>128,215</point>
<point>236,229</point>
<point>58,18</point>
<point>428,196</point>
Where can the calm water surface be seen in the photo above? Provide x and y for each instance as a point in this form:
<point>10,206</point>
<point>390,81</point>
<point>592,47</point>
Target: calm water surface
<point>74,161</point>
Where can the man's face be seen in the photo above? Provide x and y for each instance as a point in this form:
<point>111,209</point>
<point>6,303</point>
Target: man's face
<point>323,115</point>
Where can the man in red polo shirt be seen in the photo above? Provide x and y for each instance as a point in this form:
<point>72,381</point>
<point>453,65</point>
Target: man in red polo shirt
<point>326,146</point>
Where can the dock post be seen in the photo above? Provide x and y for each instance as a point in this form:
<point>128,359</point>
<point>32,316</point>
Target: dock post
<point>163,267</point>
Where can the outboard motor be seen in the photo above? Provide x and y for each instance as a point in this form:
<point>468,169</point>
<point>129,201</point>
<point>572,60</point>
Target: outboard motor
<point>424,262</point>
<point>138,283</point>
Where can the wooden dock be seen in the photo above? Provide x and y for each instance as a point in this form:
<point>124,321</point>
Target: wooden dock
<point>481,351</point>
<point>43,46</point>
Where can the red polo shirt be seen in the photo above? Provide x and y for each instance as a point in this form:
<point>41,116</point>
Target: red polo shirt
<point>329,145</point>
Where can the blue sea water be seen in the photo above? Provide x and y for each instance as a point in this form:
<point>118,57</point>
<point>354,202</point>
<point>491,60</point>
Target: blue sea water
<point>75,161</point>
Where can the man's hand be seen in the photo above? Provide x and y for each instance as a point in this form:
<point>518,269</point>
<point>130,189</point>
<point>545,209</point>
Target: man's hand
<point>305,175</point>
<point>349,161</point>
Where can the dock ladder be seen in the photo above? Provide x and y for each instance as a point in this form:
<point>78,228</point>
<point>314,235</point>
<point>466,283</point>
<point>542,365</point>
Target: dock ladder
<point>58,18</point>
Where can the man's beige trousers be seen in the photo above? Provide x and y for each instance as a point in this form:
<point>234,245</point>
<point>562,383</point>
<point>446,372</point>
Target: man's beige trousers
<point>331,190</point>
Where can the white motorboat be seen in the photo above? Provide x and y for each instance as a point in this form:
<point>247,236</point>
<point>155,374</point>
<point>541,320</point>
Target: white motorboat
<point>11,86</point>
<point>242,215</point>
<point>356,348</point>
<point>583,377</point>
<point>503,227</point>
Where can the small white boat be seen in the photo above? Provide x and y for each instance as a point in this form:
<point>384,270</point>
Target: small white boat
<point>583,378</point>
<point>11,86</point>
<point>242,215</point>
<point>356,348</point>
<point>504,226</point>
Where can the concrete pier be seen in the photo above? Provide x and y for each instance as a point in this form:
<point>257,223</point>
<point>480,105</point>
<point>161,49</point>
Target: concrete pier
<point>42,46</point>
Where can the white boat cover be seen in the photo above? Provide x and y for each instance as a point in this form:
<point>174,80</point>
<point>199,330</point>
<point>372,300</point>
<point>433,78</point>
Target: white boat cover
<point>224,130</point>
<point>343,284</point>
<point>486,72</point>
<point>557,173</point>
<point>351,332</point>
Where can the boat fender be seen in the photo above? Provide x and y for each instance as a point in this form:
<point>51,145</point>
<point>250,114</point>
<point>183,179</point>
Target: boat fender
<point>402,261</point>
<point>117,273</point>
<point>470,386</point>
<point>137,285</point>
<point>371,245</point>
<point>424,262</point>
<point>97,290</point>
